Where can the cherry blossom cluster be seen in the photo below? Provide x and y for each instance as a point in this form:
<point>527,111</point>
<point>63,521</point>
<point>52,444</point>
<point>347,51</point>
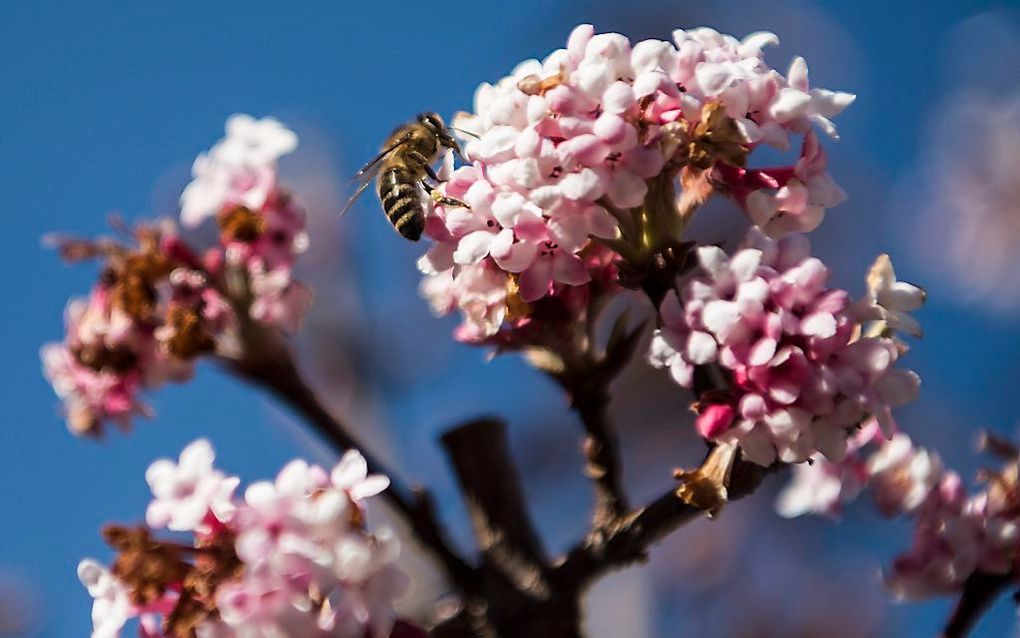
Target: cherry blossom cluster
<point>291,557</point>
<point>159,304</point>
<point>262,225</point>
<point>801,373</point>
<point>561,149</point>
<point>956,534</point>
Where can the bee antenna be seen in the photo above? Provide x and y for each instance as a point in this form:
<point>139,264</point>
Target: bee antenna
<point>468,133</point>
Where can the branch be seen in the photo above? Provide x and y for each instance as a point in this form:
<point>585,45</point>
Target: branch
<point>630,541</point>
<point>590,395</point>
<point>275,371</point>
<point>979,592</point>
<point>491,486</point>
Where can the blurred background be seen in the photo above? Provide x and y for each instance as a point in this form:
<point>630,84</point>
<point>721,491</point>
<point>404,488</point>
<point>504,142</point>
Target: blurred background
<point>105,106</point>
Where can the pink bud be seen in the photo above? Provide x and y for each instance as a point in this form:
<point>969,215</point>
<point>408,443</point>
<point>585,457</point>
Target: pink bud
<point>714,420</point>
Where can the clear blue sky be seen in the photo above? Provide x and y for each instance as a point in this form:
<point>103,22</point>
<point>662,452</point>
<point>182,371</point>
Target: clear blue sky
<point>105,104</point>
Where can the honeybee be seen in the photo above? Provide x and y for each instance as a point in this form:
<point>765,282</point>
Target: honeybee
<point>404,168</point>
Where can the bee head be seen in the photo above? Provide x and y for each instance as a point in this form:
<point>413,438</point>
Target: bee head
<point>436,126</point>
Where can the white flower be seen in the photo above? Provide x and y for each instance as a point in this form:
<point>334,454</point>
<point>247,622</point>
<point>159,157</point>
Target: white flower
<point>890,300</point>
<point>111,607</point>
<point>819,487</point>
<point>251,142</point>
<point>798,101</point>
<point>240,169</point>
<point>351,475</point>
<point>185,492</point>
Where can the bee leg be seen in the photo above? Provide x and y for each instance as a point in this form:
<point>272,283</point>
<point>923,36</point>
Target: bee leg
<point>423,161</point>
<point>431,173</point>
<point>439,198</point>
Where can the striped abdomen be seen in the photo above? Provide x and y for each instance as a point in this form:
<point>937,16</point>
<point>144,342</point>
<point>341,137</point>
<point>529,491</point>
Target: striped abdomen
<point>401,200</point>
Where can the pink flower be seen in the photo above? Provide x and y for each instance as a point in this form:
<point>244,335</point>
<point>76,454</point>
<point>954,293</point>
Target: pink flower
<point>902,476</point>
<point>279,300</point>
<point>787,199</point>
<point>107,358</point>
<point>187,492</point>
<point>558,141</point>
<point>800,379</point>
<point>309,565</point>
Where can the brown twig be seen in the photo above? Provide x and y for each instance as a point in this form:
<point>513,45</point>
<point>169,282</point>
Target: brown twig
<point>630,541</point>
<point>479,453</point>
<point>590,393</point>
<point>979,592</point>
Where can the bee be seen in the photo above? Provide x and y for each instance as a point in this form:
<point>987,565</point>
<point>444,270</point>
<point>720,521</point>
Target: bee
<point>404,168</point>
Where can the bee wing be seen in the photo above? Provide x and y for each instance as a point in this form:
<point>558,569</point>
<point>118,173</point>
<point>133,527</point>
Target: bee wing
<point>368,172</point>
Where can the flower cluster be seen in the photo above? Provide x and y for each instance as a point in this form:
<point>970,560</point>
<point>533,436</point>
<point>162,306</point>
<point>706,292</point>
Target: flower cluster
<point>801,372</point>
<point>956,533</point>
<point>290,558</point>
<point>262,227</point>
<point>142,325</point>
<point>563,148</point>
<point>159,304</point>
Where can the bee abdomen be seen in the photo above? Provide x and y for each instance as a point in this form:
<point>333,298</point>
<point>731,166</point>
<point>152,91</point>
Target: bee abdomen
<point>401,200</point>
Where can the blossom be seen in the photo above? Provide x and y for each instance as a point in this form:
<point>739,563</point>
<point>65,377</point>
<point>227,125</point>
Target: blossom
<point>278,299</point>
<point>560,148</point>
<point>902,476</point>
<point>186,492</point>
<point>111,606</point>
<point>800,378</point>
<point>802,193</point>
<point>890,300</point>
<point>351,475</point>
<point>262,225</point>
<point>292,557</point>
<point>240,169</point>
<point>821,486</point>
<point>150,315</point>
<point>108,356</point>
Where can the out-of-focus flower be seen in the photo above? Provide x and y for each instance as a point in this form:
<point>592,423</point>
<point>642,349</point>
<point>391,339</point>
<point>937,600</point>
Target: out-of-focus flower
<point>186,492</point>
<point>293,558</point>
<point>238,170</point>
<point>902,476</point>
<point>111,604</point>
<point>801,379</point>
<point>112,348</point>
<point>159,305</point>
<point>970,232</point>
<point>821,486</point>
<point>262,226</point>
<point>956,534</point>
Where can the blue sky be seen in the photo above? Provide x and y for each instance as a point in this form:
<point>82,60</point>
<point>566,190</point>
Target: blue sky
<point>106,104</point>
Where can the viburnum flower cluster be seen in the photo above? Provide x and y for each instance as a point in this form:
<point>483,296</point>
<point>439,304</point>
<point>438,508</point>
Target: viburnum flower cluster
<point>148,316</point>
<point>292,557</point>
<point>561,150</point>
<point>956,534</point>
<point>802,375</point>
<point>159,303</point>
<point>262,226</point>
